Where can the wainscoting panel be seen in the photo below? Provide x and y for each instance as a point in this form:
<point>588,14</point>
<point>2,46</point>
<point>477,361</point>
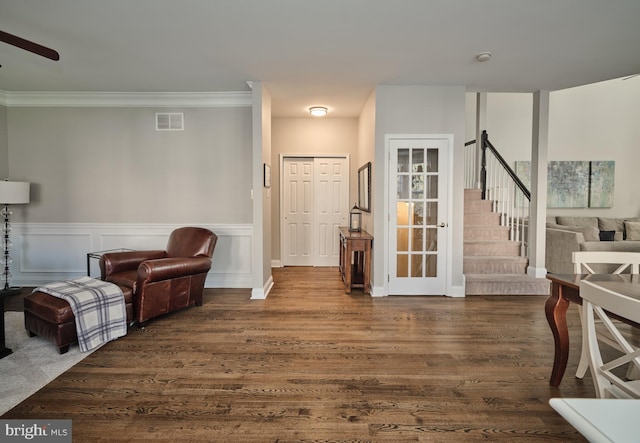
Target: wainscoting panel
<point>46,252</point>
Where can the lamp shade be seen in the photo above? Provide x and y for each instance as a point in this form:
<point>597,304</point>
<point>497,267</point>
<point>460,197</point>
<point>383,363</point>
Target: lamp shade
<point>14,193</point>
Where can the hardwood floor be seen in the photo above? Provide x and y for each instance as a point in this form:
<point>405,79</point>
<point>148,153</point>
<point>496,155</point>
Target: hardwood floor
<point>312,363</point>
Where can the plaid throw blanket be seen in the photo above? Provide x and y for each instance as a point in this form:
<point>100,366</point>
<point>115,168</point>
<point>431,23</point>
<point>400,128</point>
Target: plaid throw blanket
<point>98,306</point>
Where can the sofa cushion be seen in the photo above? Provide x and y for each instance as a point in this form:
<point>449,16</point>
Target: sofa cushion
<point>607,235</point>
<point>590,233</point>
<point>632,230</point>
<point>577,221</point>
<point>624,246</point>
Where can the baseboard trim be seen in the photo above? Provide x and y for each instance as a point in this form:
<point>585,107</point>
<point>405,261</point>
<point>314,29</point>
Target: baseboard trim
<point>262,293</point>
<point>536,272</point>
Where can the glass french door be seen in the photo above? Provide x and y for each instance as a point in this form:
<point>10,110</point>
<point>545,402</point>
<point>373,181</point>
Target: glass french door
<point>418,220</point>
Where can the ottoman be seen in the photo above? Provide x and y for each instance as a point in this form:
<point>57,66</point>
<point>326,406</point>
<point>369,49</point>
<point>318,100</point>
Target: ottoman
<point>52,318</point>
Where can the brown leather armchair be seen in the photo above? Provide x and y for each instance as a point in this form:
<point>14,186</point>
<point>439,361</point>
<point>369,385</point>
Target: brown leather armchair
<point>163,281</point>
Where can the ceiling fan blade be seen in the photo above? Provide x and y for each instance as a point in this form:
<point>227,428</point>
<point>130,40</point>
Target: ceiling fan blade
<point>29,46</point>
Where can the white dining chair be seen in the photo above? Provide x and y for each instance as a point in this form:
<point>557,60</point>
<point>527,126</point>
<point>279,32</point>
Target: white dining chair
<point>598,303</point>
<point>614,262</point>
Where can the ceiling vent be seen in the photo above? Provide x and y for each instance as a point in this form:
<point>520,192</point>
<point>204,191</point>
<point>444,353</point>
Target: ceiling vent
<point>169,121</point>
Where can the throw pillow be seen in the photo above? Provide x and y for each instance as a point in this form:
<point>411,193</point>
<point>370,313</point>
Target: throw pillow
<point>611,224</point>
<point>607,235</point>
<point>632,230</point>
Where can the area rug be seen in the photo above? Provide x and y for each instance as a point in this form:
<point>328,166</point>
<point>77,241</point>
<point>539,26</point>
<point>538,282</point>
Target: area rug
<point>33,364</point>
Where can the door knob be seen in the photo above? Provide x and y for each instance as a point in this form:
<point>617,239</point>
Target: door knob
<point>442,224</point>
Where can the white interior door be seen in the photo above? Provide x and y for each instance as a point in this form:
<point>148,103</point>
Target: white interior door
<point>418,206</point>
<point>315,202</point>
<point>331,207</point>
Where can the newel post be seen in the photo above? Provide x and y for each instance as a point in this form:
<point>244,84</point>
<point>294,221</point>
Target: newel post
<point>483,164</point>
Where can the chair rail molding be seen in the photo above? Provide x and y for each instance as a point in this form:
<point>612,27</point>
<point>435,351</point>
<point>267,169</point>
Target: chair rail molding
<point>46,252</point>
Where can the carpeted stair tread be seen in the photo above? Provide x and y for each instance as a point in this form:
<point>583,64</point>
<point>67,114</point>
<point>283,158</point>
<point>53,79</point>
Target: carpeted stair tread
<point>472,194</point>
<point>475,206</point>
<point>491,248</point>
<point>505,284</point>
<point>486,233</point>
<point>497,258</point>
<point>496,264</point>
<point>492,264</point>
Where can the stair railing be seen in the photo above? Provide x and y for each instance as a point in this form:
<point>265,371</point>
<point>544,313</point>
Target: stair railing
<point>499,183</point>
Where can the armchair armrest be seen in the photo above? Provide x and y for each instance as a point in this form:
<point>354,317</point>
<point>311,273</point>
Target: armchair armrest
<point>113,262</point>
<point>167,268</point>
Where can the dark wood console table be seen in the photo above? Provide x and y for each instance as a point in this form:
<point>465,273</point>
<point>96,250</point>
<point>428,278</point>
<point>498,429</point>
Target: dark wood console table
<point>355,259</point>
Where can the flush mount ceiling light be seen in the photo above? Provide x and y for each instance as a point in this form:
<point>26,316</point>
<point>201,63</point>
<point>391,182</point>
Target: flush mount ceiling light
<point>318,111</point>
<point>483,56</point>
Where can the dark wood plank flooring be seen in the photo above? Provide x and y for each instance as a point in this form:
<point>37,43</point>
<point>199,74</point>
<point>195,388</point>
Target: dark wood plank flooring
<point>312,363</point>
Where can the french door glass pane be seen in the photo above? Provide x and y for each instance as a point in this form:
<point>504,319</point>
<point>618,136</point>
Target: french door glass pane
<point>416,265</point>
<point>403,160</point>
<point>402,213</point>
<point>418,213</point>
<point>431,239</point>
<point>402,266</point>
<point>432,160</point>
<point>431,217</point>
<point>432,186</point>
<point>417,186</point>
<point>403,187</point>
<point>403,239</point>
<point>432,265</point>
<point>417,239</point>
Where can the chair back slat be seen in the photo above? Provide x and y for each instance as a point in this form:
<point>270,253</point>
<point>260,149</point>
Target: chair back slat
<point>597,304</point>
<point>585,260</point>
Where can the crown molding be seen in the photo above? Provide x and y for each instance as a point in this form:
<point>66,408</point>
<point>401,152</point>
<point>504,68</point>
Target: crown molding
<point>126,99</point>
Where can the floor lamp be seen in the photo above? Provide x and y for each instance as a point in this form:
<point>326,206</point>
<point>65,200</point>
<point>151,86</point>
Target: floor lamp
<point>11,193</point>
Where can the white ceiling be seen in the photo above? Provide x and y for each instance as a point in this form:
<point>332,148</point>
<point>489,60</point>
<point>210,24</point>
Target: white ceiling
<point>330,52</point>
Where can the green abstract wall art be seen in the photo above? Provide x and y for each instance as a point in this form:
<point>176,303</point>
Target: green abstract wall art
<point>568,184</point>
<point>575,184</point>
<point>601,184</point>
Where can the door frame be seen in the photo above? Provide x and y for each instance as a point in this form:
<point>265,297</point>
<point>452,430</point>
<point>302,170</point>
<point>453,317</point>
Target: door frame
<point>281,158</point>
<point>387,210</point>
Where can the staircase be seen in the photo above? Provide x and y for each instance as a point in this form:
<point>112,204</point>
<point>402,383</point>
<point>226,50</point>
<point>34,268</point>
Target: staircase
<point>492,262</point>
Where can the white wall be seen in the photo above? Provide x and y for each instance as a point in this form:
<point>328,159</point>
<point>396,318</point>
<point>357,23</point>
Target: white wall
<point>103,178</point>
<point>309,136</point>
<point>592,122</point>
<point>600,122</point>
<point>110,165</point>
<point>4,145</point>
<point>261,154</point>
<point>420,110</point>
<point>366,152</point>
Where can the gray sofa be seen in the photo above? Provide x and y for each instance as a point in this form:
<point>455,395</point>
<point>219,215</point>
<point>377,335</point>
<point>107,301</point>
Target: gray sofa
<point>568,234</point>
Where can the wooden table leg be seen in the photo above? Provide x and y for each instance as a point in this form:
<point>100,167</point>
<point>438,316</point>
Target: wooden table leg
<point>367,268</point>
<point>556,311</point>
<point>349,268</point>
